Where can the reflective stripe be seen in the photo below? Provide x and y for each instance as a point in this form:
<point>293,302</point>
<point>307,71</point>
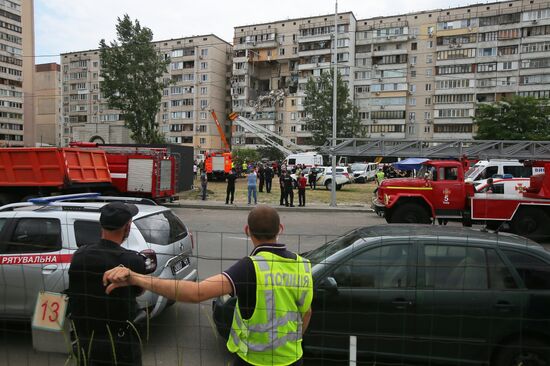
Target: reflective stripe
<point>306,265</point>
<point>291,316</point>
<point>302,299</point>
<point>277,342</point>
<point>262,263</point>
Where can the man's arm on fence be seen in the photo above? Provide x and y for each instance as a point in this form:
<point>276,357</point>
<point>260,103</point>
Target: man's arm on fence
<point>184,291</point>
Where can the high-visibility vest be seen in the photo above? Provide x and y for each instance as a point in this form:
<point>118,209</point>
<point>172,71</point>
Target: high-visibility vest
<point>273,335</point>
<point>380,176</point>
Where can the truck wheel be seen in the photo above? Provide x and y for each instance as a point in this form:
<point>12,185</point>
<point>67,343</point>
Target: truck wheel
<point>531,222</point>
<point>409,213</point>
<point>528,351</point>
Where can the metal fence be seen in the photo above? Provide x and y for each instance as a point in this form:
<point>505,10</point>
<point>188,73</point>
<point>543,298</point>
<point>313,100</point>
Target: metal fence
<point>436,301</point>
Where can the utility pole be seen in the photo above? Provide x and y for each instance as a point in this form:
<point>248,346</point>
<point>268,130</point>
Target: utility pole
<point>334,105</point>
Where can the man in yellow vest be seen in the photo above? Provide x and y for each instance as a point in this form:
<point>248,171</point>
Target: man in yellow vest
<point>274,290</point>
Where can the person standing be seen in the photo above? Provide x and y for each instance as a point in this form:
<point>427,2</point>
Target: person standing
<point>204,184</point>
<point>261,176</point>
<point>244,167</point>
<point>313,179</point>
<point>231,178</point>
<point>270,316</point>
<point>268,178</point>
<point>302,184</point>
<point>252,180</point>
<point>282,187</point>
<point>102,323</point>
<point>289,189</point>
<point>195,168</point>
<point>380,176</point>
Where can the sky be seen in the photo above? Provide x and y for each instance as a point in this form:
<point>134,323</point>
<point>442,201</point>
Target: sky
<point>75,25</point>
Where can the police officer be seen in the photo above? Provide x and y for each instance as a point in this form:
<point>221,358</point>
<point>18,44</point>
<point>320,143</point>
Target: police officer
<point>273,288</point>
<point>101,321</point>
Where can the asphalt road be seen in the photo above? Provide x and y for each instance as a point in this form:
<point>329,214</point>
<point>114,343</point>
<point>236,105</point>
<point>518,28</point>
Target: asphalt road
<point>184,333</point>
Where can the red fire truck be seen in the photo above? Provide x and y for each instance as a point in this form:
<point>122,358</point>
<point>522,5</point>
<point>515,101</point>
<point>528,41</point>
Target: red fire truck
<point>440,193</point>
<point>218,164</point>
<point>140,171</point>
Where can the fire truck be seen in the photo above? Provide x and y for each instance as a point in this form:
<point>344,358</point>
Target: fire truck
<point>440,192</point>
<point>139,171</point>
<point>218,164</point>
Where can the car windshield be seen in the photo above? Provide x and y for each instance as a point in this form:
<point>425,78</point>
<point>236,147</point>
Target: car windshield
<point>320,254</point>
<point>163,228</point>
<point>473,171</point>
<point>357,167</point>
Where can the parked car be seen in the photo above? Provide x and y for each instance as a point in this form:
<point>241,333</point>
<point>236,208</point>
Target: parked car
<point>37,241</point>
<point>363,172</point>
<point>427,294</point>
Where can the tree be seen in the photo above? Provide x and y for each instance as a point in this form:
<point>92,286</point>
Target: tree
<point>318,108</point>
<point>132,72</point>
<point>271,153</point>
<point>245,155</point>
<point>516,118</point>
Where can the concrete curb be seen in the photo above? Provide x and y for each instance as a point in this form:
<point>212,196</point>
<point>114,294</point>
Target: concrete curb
<point>221,206</point>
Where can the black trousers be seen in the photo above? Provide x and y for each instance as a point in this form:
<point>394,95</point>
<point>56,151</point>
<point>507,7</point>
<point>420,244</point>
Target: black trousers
<point>261,186</point>
<point>237,361</point>
<point>230,192</point>
<point>268,185</point>
<point>126,346</point>
<point>282,196</point>
<point>289,197</point>
<point>302,196</point>
<point>312,183</point>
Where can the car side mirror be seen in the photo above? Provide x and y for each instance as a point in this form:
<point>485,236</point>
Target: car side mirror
<point>329,284</point>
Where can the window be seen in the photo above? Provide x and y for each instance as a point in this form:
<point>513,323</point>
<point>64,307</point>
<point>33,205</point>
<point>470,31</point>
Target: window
<point>500,276</point>
<point>429,72</point>
<point>413,73</point>
<point>87,232</point>
<point>204,77</point>
<point>382,267</point>
<point>534,272</point>
<point>202,115</point>
<point>34,236</point>
<point>428,101</point>
<point>428,87</point>
<point>413,60</point>
<point>204,52</point>
<point>204,65</point>
<point>455,267</point>
<point>162,229</point>
<point>412,101</point>
<point>412,116</point>
<point>281,51</point>
<point>202,141</point>
<point>414,46</point>
<point>412,88</point>
<point>429,59</point>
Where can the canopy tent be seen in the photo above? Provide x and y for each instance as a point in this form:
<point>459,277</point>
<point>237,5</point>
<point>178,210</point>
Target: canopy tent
<point>409,164</point>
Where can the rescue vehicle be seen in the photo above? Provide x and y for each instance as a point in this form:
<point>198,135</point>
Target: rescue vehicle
<point>440,192</point>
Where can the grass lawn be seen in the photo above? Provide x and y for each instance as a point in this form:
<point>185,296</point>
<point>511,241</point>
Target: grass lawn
<point>350,194</point>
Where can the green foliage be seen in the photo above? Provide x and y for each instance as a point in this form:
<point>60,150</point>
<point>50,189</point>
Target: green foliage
<point>271,153</point>
<point>132,71</point>
<point>318,107</point>
<point>245,155</point>
<point>516,118</point>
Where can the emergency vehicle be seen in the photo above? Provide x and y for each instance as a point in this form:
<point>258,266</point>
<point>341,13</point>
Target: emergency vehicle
<point>218,164</point>
<point>440,192</point>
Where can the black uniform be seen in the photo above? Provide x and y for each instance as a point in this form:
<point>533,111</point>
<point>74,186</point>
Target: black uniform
<point>94,312</point>
<point>231,178</point>
<point>268,179</point>
<point>261,176</point>
<point>289,190</point>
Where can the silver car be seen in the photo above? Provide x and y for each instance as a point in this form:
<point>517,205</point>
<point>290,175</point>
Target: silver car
<point>37,241</point>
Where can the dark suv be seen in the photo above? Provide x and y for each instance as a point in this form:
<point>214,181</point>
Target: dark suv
<point>429,294</point>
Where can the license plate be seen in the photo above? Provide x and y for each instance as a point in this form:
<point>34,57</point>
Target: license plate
<point>179,265</point>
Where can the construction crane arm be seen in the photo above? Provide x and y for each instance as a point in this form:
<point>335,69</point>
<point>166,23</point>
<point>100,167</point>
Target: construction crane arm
<point>220,131</point>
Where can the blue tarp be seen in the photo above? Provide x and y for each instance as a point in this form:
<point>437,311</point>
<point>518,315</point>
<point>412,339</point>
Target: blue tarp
<point>409,164</point>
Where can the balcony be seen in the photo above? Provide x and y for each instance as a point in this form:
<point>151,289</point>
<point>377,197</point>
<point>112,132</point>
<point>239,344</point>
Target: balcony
<point>391,38</point>
<point>312,66</point>
<point>319,52</point>
<point>314,38</point>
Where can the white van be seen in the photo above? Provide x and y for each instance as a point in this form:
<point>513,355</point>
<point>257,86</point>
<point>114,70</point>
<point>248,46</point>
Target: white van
<point>497,168</point>
<point>309,159</point>
<point>363,172</point>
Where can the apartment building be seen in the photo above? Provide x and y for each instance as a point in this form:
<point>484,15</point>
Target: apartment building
<point>272,63</point>
<point>47,96</point>
<point>198,77</point>
<point>16,101</point>
<point>417,75</point>
<point>424,72</point>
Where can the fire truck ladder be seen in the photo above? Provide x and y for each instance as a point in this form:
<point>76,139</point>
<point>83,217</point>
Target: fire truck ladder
<point>265,134</point>
<point>481,149</point>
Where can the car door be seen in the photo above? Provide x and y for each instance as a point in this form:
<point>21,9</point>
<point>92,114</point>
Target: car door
<point>372,297</point>
<point>453,304</point>
<point>33,258</point>
<point>449,191</point>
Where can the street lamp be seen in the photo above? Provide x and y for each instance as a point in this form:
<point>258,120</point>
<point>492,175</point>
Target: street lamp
<point>334,105</point>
